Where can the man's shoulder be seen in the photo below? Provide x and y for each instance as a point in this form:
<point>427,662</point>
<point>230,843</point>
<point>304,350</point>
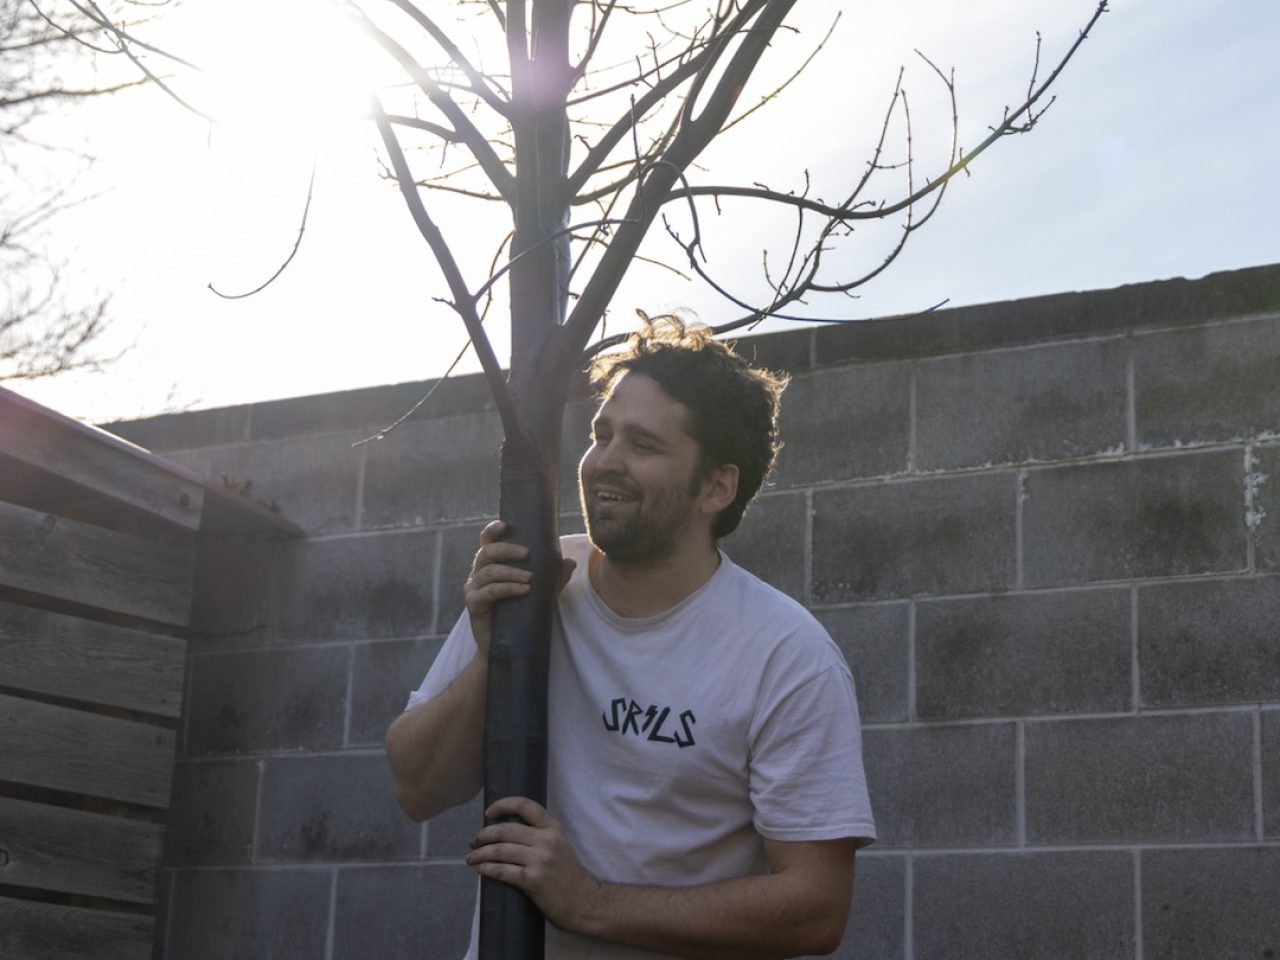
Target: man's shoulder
<point>762,610</point>
<point>758,597</point>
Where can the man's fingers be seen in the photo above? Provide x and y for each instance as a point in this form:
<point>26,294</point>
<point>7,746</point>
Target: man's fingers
<point>492,531</point>
<point>534,814</point>
<point>518,853</point>
<point>500,573</point>
<point>499,552</point>
<point>479,600</point>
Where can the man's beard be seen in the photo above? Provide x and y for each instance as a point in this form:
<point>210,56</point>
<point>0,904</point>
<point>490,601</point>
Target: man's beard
<point>647,532</point>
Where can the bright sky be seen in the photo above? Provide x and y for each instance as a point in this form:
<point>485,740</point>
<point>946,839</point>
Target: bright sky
<point>1156,161</point>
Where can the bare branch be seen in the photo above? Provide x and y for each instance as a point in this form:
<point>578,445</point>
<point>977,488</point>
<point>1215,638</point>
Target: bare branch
<point>302,228</point>
<point>382,434</point>
<point>693,136</point>
<point>688,69</point>
<point>463,129</point>
<point>463,301</point>
<point>479,82</point>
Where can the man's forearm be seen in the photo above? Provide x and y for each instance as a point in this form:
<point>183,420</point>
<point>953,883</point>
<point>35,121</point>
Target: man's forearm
<point>799,907</point>
<point>766,917</point>
<point>436,750</point>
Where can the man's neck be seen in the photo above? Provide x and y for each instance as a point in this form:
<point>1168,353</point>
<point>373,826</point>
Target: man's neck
<point>646,590</point>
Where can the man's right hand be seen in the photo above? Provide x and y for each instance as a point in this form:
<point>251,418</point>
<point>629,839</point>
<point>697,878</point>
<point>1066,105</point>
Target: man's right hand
<point>494,577</point>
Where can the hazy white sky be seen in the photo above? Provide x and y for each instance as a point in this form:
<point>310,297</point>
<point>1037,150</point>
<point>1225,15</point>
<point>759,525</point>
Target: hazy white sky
<point>1156,161</point>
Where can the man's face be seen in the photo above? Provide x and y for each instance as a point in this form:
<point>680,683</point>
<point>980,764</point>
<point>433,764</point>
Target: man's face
<point>640,478</point>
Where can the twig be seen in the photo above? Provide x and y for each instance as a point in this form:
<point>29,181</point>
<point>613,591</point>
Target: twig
<point>302,228</point>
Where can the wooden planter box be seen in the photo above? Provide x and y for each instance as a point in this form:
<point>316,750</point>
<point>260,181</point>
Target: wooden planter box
<point>98,547</point>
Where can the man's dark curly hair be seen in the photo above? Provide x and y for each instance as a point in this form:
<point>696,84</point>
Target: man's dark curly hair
<point>733,406</point>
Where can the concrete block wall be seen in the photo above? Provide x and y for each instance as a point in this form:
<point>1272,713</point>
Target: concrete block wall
<point>1045,533</point>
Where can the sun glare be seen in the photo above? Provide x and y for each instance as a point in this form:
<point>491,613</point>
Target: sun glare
<point>291,70</point>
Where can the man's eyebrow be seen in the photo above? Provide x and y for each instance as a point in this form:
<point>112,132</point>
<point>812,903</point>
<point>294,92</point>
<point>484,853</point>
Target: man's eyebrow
<point>636,432</point>
<point>632,430</point>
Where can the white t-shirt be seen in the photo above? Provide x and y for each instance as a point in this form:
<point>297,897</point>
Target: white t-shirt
<point>677,741</point>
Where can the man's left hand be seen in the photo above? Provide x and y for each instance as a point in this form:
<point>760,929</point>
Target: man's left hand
<point>536,857</point>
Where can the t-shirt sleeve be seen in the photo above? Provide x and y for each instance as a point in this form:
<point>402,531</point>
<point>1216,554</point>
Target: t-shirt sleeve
<point>459,649</point>
<point>806,776</point>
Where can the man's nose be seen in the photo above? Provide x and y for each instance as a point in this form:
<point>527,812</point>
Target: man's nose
<point>608,457</point>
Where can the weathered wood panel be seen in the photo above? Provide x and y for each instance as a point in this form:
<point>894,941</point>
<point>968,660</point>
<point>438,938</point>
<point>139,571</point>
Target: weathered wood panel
<point>98,461</point>
<point>93,566</point>
<point>43,745</point>
<point>46,931</point>
<point>98,663</point>
<point>53,848</point>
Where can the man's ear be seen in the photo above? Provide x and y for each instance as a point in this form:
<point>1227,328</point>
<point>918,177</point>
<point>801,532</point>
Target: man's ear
<point>719,488</point>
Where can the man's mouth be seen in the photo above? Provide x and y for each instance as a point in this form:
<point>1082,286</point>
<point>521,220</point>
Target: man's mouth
<point>612,496</point>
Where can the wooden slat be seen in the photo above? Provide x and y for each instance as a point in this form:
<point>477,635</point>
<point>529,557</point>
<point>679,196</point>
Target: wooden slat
<point>64,656</point>
<point>98,461</point>
<point>43,745</point>
<point>70,851</point>
<point>46,931</point>
<point>93,566</point>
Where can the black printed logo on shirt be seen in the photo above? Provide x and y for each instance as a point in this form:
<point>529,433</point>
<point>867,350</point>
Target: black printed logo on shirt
<point>654,723</point>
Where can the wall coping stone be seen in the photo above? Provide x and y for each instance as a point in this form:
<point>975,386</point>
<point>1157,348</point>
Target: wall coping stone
<point>1176,302</point>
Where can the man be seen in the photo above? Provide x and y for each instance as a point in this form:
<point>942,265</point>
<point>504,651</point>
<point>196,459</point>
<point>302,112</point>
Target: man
<point>705,783</point>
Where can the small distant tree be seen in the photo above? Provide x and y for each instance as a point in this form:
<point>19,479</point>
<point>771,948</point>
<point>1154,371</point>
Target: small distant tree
<point>586,146</point>
<point>49,62</point>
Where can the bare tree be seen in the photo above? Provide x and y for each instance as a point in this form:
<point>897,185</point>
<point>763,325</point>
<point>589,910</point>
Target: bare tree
<point>587,134</point>
<point>551,155</point>
<point>48,63</point>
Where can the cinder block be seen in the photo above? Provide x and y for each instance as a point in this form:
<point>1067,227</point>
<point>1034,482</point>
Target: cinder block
<point>218,914</point>
<point>1162,517</point>
<point>1210,642</point>
<point>947,786</point>
<point>845,422</point>
<point>449,834</point>
<point>309,480</point>
<point>1052,402</point>
<point>575,438</point>
<point>1271,774</point>
<point>1032,906</point>
<point>195,428</point>
<point>369,409</point>
<point>212,816</point>
<point>332,808</point>
<point>355,588</point>
<point>1024,654</point>
<point>231,607</point>
<point>458,546</point>
<point>873,638</point>
<point>1164,779</point>
<point>877,920</point>
<point>421,911</point>
<point>1211,903</point>
<point>383,674</point>
<point>1207,384</point>
<point>936,536</point>
<point>770,542</point>
<point>433,470</point>
<point>268,700</point>
<point>1265,514</point>
<point>1162,303</point>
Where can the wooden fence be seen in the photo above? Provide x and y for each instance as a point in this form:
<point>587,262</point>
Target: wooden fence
<point>98,548</point>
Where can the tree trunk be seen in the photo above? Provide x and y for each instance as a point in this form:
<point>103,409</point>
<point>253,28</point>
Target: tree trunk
<point>511,926</point>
